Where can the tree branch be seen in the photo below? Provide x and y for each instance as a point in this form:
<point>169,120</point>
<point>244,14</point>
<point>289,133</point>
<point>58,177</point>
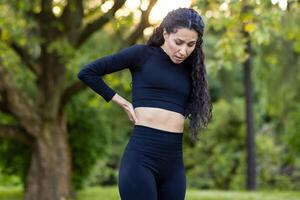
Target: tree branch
<point>90,28</point>
<point>70,91</point>
<point>144,23</point>
<point>16,133</point>
<point>95,9</point>
<point>71,18</point>
<point>14,101</point>
<point>78,86</point>
<point>25,57</point>
<point>46,6</point>
<point>23,54</point>
<point>3,107</point>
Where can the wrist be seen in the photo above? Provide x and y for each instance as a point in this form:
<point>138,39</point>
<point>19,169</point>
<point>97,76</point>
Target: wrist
<point>119,100</point>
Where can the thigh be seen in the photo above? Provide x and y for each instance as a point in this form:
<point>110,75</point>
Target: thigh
<point>174,186</point>
<point>135,182</point>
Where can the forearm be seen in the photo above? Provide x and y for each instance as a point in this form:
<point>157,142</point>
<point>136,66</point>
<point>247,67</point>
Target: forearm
<point>119,100</point>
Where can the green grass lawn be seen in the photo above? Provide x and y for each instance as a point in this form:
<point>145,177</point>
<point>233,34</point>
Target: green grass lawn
<point>111,193</point>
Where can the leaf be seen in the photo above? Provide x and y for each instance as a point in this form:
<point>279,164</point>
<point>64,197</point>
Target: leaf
<point>250,27</point>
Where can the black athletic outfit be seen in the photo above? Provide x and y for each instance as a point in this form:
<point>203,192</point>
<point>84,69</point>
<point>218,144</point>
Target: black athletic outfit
<point>152,165</point>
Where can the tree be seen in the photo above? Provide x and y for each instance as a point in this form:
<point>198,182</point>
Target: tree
<point>239,24</point>
<point>41,120</point>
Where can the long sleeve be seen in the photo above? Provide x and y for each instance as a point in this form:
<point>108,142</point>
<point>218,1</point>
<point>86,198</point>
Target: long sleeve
<point>92,74</point>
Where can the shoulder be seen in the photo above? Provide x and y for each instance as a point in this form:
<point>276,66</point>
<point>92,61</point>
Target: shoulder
<point>135,50</point>
<point>135,47</point>
<point>138,52</point>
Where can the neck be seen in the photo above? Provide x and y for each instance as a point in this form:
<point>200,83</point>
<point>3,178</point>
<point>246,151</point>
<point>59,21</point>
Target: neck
<point>164,48</point>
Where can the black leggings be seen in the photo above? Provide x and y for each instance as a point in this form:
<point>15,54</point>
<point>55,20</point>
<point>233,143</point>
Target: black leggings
<point>152,167</point>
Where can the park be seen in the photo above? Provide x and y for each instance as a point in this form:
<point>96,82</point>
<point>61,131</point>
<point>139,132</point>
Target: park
<point>59,140</point>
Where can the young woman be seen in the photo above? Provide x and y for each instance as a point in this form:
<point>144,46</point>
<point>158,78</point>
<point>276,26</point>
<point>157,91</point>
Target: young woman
<point>169,84</point>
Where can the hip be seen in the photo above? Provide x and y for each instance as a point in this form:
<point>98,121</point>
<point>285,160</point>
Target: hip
<point>156,143</point>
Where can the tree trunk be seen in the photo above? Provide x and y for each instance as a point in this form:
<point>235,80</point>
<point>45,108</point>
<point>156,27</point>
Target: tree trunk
<point>49,176</point>
<point>250,139</point>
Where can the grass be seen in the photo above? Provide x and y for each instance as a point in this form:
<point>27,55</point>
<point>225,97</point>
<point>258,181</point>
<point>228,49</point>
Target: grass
<point>10,193</point>
<point>111,193</point>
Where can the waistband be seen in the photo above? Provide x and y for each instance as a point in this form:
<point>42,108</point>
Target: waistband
<point>167,134</point>
<point>156,142</point>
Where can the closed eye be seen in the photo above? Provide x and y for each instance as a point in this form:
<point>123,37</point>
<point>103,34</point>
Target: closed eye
<point>191,44</point>
<point>180,42</point>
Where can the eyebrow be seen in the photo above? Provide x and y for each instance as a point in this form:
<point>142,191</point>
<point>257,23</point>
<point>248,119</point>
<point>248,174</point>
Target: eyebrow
<point>194,41</point>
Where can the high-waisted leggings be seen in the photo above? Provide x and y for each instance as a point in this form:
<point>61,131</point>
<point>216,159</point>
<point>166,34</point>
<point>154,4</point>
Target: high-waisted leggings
<point>152,166</point>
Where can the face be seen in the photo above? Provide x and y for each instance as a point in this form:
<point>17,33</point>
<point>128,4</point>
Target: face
<point>180,45</point>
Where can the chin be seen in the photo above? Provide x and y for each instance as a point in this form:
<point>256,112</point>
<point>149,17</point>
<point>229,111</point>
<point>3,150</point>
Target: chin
<point>177,61</point>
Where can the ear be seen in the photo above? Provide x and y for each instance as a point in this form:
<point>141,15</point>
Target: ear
<point>165,34</point>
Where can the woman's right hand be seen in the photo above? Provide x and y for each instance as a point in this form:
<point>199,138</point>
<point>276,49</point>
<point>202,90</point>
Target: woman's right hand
<point>127,106</point>
<point>130,112</point>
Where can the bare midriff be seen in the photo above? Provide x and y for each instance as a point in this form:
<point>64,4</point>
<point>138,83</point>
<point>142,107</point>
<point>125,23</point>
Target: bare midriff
<point>160,119</point>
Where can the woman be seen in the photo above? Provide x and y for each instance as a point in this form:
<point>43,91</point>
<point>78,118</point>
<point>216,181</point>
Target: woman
<point>169,85</point>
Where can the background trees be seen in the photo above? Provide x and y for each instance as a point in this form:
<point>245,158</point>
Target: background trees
<point>45,35</point>
<point>61,133</point>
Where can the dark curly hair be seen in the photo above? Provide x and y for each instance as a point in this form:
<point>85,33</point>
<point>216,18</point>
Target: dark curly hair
<point>199,109</point>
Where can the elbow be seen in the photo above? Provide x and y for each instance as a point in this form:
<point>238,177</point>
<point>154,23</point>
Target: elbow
<point>87,73</point>
<point>81,75</point>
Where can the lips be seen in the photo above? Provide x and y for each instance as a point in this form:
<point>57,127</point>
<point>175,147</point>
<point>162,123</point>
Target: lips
<point>179,58</point>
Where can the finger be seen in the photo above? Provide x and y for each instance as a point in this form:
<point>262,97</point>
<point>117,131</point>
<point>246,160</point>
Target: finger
<point>130,118</point>
<point>133,114</point>
<point>135,118</point>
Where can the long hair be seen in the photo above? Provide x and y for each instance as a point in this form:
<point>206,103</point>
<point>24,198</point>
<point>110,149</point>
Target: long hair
<point>199,108</point>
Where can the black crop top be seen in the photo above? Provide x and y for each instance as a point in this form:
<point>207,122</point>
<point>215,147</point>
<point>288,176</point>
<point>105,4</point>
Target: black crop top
<point>156,80</point>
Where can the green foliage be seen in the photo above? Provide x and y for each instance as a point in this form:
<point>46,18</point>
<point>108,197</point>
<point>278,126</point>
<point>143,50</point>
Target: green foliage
<point>98,135</point>
<point>292,130</point>
<point>111,193</point>
<point>15,161</point>
<point>290,25</point>
<point>9,180</point>
<point>23,78</point>
<point>215,160</point>
<point>218,159</point>
<point>63,48</point>
<point>276,85</point>
<point>100,131</point>
<point>15,158</point>
<point>10,193</point>
<point>87,137</point>
<point>275,167</point>
<point>117,133</point>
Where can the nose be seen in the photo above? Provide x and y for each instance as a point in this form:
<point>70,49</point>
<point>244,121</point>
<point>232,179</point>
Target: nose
<point>183,51</point>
